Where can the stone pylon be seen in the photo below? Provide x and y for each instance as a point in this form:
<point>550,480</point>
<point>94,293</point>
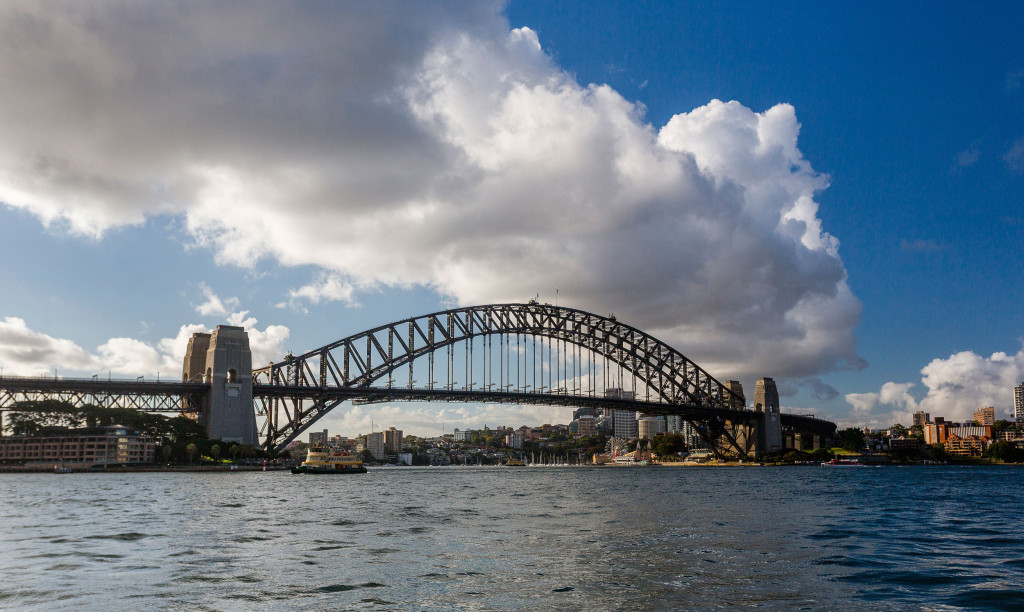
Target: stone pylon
<point>766,402</point>
<point>223,360</point>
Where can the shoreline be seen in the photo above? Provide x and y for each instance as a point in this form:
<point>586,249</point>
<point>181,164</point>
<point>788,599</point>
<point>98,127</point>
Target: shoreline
<point>50,469</point>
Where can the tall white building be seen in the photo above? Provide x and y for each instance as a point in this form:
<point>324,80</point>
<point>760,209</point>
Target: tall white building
<point>648,427</point>
<point>514,440</point>
<point>1018,403</point>
<point>690,435</point>
<point>624,423</point>
<point>375,444</point>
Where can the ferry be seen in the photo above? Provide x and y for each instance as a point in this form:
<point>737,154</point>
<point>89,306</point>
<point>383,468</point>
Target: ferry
<point>325,460</point>
<point>837,462</point>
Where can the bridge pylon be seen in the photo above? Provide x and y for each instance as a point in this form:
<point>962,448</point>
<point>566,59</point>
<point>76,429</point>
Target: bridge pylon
<point>766,404</point>
<point>224,361</point>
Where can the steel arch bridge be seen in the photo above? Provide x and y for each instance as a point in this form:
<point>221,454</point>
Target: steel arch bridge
<point>514,353</point>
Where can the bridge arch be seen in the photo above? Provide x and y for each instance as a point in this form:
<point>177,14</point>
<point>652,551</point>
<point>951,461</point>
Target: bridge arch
<point>291,395</point>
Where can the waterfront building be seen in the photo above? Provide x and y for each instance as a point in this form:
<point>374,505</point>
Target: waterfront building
<point>624,424</point>
<point>649,426</point>
<point>392,441</point>
<point>690,436</point>
<point>586,426</point>
<point>86,447</point>
<point>921,419</point>
<point>463,436</point>
<point>1018,404</point>
<point>623,421</point>
<point>514,440</point>
<point>375,444</point>
<point>318,438</point>
<point>1009,435</point>
<point>967,446</point>
<point>985,416</point>
<point>901,443</point>
<point>940,431</point>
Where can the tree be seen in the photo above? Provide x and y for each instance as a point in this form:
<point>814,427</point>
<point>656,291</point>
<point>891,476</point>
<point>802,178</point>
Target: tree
<point>1002,425</point>
<point>851,439</point>
<point>215,452</point>
<point>31,418</point>
<point>191,449</point>
<point>668,444</point>
<point>1004,451</point>
<point>938,452</point>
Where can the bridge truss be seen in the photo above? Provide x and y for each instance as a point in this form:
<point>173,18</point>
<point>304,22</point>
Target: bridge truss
<point>520,353</point>
<point>151,396</point>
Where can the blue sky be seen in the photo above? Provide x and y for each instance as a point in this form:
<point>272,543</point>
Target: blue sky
<point>325,169</point>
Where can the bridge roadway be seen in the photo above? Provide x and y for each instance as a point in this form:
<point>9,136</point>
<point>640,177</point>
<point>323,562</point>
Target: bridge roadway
<point>184,397</point>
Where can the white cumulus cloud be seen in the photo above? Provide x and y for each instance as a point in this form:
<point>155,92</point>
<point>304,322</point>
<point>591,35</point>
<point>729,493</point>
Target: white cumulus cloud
<point>956,387</point>
<point>326,288</point>
<point>24,351</point>
<point>424,144</point>
<point>214,306</point>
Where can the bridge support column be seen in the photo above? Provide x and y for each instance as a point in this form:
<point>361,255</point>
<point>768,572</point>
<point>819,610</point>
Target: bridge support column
<point>815,442</point>
<point>227,411</point>
<point>766,402</point>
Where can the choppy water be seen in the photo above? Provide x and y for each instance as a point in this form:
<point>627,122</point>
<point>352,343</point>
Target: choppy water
<point>517,538</point>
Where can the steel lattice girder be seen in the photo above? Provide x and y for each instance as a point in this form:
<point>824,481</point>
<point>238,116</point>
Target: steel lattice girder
<point>145,396</point>
<point>355,362</point>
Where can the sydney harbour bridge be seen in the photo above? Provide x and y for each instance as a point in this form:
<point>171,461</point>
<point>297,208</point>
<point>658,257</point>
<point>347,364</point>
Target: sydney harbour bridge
<point>529,353</point>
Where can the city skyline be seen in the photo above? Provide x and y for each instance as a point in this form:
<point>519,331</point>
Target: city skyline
<point>830,197</point>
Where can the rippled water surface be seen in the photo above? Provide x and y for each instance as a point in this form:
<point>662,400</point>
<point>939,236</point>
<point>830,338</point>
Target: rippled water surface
<point>517,538</point>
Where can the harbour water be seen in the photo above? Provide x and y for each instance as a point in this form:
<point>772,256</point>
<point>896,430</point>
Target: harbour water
<point>940,538</point>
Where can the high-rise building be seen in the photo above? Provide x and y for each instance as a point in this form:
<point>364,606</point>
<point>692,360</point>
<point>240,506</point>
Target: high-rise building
<point>623,421</point>
<point>648,427</point>
<point>1018,403</point>
<point>318,438</point>
<point>624,424</point>
<point>985,416</point>
<point>921,419</point>
<point>514,440</point>
<point>392,441</point>
<point>673,423</point>
<point>586,426</point>
<point>375,444</point>
<point>691,437</point>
